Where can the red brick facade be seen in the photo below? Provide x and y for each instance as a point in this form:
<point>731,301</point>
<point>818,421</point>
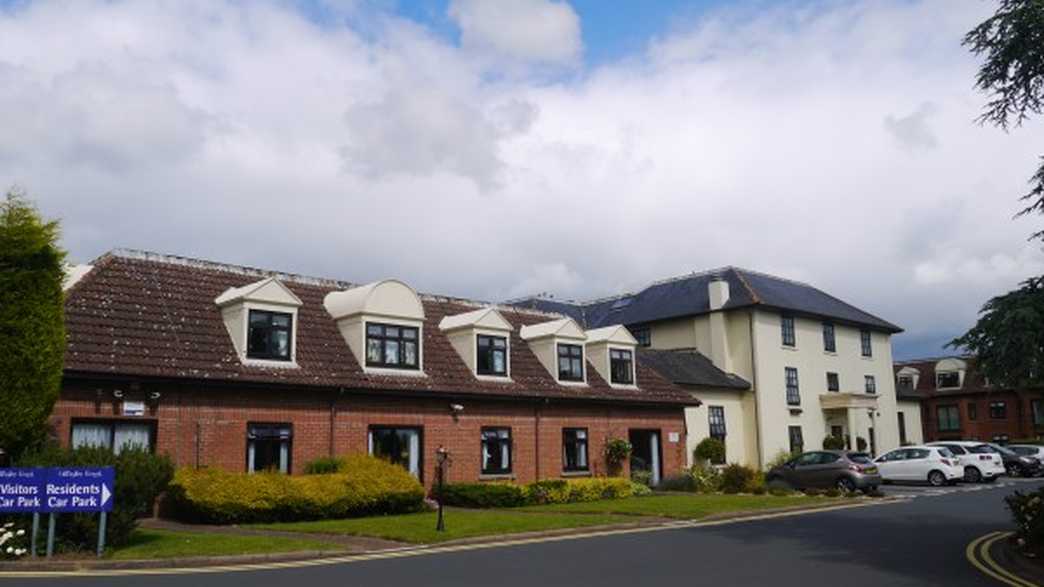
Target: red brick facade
<point>977,421</point>
<point>206,424</point>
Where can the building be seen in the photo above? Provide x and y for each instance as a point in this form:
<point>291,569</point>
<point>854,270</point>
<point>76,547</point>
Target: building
<point>248,370</point>
<point>958,403</point>
<point>816,366</point>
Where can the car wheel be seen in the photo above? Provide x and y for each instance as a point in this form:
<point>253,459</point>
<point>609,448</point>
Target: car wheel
<point>972,475</point>
<point>1012,470</point>
<point>870,490</point>
<point>936,479</point>
<point>845,484</point>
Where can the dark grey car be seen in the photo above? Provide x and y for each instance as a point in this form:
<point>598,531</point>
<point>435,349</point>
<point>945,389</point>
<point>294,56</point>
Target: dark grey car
<point>848,471</point>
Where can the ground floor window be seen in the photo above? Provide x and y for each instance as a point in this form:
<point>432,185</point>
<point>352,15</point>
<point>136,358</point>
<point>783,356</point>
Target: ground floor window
<point>797,441</point>
<point>716,421</point>
<point>496,451</point>
<point>949,418</point>
<point>1038,412</point>
<point>269,447</point>
<point>401,446</point>
<point>902,428</point>
<point>998,410</point>
<point>574,449</point>
<point>113,435</point>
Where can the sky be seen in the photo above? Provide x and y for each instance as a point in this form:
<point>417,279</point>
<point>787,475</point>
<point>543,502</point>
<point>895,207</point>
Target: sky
<point>493,150</point>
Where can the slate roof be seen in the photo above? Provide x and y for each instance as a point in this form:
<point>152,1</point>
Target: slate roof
<point>687,296</point>
<point>690,367</point>
<point>145,315</point>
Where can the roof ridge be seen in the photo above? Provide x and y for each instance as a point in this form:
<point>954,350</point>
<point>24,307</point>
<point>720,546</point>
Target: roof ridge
<point>746,284</point>
<point>933,359</point>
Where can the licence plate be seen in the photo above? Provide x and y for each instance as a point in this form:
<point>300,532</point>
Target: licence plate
<point>870,470</point>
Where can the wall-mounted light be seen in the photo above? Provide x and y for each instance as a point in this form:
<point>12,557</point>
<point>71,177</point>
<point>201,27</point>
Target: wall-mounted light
<point>456,410</point>
<point>117,393</point>
<point>155,395</point>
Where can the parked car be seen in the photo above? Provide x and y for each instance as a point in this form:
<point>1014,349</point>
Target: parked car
<point>1028,450</point>
<point>1016,465</point>
<point>933,464</point>
<point>979,461</point>
<point>848,471</point>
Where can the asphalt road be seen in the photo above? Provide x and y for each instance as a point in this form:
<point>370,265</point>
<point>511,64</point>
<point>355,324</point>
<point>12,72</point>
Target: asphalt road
<point>919,542</point>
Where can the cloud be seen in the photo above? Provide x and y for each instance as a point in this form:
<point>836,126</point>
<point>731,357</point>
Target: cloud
<point>796,141</point>
<point>543,31</point>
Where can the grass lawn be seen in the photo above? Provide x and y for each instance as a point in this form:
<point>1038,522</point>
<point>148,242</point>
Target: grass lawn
<point>680,505</point>
<point>147,543</point>
<point>460,523</point>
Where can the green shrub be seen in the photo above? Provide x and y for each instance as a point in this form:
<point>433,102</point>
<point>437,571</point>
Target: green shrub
<point>639,490</point>
<point>710,450</point>
<point>780,491</point>
<point>681,482</point>
<point>1027,509</point>
<point>705,479</point>
<point>781,458</point>
<point>617,451</point>
<point>833,492</point>
<point>642,476</point>
<point>324,466</point>
<point>833,443</point>
<point>759,490</point>
<point>483,495</point>
<point>813,492</point>
<point>140,478</point>
<point>506,495</point>
<point>738,479</point>
<point>363,485</point>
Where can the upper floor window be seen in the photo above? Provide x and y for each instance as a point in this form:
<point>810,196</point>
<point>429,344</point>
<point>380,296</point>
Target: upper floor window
<point>793,395</point>
<point>905,382</point>
<point>269,335</point>
<point>496,451</point>
<point>787,326</point>
<point>492,355</point>
<point>829,340</point>
<point>948,379</point>
<point>866,343</point>
<point>998,410</point>
<point>871,384</point>
<point>642,334</point>
<point>570,362</point>
<point>833,383</point>
<point>389,345</point>
<point>621,366</point>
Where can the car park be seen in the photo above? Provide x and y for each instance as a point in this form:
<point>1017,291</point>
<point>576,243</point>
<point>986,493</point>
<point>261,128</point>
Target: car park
<point>1017,465</point>
<point>979,461</point>
<point>848,471</point>
<point>934,465</point>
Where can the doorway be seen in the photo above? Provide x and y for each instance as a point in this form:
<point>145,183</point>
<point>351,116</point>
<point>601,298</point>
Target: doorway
<point>645,453</point>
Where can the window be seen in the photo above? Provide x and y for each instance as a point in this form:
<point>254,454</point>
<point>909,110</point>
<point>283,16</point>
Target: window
<point>829,341</point>
<point>866,343</point>
<point>870,383</point>
<point>948,379</point>
<point>973,411</point>
<point>492,355</point>
<point>115,436</point>
<point>902,427</point>
<point>388,345</point>
<point>621,366</point>
<point>998,410</point>
<point>833,383</point>
<point>642,334</point>
<point>793,395</point>
<point>570,362</point>
<point>716,421</point>
<point>1000,438</point>
<point>797,443</point>
<point>401,446</point>
<point>787,324</point>
<point>269,447</point>
<point>269,335</point>
<point>905,382</point>
<point>1038,412</point>
<point>574,449</point>
<point>949,418</point>
<point>496,451</point>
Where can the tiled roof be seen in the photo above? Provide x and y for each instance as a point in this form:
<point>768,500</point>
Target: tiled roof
<point>151,316</point>
<point>687,296</point>
<point>690,367</point>
<point>973,382</point>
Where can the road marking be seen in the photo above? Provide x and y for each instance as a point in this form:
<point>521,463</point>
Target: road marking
<point>412,551</point>
<point>978,554</point>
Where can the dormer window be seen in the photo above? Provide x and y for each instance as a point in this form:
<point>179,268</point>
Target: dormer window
<point>570,362</point>
<point>906,382</point>
<point>951,379</point>
<point>392,346</point>
<point>491,357</point>
<point>269,335</point>
<point>621,366</point>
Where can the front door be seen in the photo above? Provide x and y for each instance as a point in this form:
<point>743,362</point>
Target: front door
<point>645,453</point>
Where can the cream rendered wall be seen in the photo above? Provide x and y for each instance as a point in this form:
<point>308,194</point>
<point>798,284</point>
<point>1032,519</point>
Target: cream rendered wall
<point>812,363</point>
<point>697,423</point>
<point>912,416</point>
<point>673,334</point>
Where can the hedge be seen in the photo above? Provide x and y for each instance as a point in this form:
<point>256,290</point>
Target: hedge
<point>363,485</point>
<point>506,495</point>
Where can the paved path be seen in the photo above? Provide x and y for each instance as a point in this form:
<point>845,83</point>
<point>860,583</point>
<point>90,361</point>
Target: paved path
<point>917,542</point>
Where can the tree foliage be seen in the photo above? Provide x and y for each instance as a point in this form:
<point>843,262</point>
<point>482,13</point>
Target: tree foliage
<point>1012,42</point>
<point>32,326</point>
<point>1008,339</point>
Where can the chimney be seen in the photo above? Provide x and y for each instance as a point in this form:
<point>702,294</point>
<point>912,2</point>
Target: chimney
<point>718,293</point>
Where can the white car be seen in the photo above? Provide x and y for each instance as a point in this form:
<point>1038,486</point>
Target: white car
<point>934,464</point>
<point>980,462</point>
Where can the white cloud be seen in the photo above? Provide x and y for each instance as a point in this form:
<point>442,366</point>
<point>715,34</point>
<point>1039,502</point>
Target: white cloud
<point>245,132</point>
<point>545,31</point>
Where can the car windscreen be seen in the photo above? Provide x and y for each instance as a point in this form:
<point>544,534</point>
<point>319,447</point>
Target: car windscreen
<point>1024,450</point>
<point>859,457</point>
<point>1003,450</point>
<point>981,449</point>
<point>944,452</point>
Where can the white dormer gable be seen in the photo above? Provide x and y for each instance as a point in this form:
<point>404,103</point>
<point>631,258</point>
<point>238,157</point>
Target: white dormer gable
<point>391,306</point>
<point>464,332</point>
<point>609,344</point>
<point>949,367</point>
<point>912,372</point>
<point>549,340</point>
<point>269,307</point>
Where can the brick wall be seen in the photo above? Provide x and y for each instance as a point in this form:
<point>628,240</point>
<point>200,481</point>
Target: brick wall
<point>1017,423</point>
<point>201,426</point>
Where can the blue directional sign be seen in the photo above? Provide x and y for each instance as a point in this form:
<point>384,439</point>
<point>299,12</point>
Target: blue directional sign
<point>21,490</point>
<point>79,489</point>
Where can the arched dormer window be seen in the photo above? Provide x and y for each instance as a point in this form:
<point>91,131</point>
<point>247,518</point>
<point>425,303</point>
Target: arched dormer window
<point>383,324</point>
<point>949,373</point>
<point>907,378</point>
